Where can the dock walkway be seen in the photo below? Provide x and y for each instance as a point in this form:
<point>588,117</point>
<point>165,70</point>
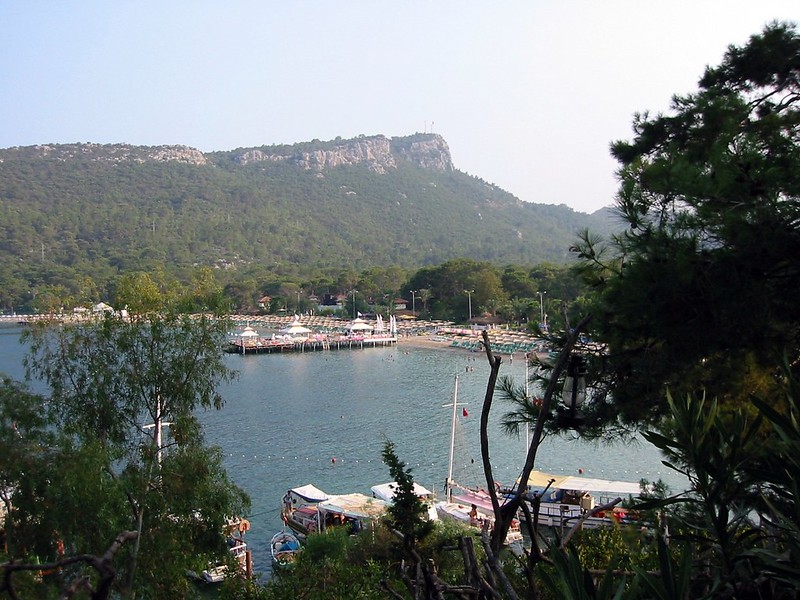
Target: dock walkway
<point>267,346</point>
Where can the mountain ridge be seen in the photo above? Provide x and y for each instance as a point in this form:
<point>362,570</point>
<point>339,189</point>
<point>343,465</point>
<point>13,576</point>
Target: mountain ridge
<point>377,152</point>
<point>98,210</point>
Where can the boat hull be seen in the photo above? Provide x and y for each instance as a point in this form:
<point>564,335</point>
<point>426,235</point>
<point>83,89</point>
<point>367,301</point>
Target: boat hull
<point>460,511</point>
<point>284,548</point>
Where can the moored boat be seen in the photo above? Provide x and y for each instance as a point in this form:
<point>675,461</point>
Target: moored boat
<point>470,506</point>
<point>307,509</point>
<point>566,499</point>
<point>238,549</point>
<point>299,509</point>
<point>474,508</point>
<point>284,546</point>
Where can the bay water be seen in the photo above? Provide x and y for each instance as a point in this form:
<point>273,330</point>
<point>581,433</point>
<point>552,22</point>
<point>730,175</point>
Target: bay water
<point>323,418</point>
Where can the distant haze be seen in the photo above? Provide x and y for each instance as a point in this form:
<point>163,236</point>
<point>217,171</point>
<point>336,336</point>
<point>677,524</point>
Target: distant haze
<point>528,94</point>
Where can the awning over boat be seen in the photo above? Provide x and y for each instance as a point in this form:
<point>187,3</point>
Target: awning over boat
<point>539,480</point>
<point>385,491</point>
<point>586,484</point>
<point>355,506</point>
<point>310,493</point>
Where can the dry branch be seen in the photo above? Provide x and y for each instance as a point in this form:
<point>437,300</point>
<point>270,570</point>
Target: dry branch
<point>102,564</point>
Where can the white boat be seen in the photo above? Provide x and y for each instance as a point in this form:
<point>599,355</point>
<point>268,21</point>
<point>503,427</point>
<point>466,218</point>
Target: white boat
<point>284,547</point>
<point>386,491</point>
<point>474,508</point>
<point>299,509</point>
<point>308,509</point>
<point>567,498</point>
<point>470,506</point>
<point>238,549</point>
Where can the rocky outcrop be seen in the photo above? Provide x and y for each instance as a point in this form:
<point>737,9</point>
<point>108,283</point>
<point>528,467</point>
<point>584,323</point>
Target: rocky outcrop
<point>377,153</point>
<point>183,154</point>
<point>116,153</point>
<point>426,151</point>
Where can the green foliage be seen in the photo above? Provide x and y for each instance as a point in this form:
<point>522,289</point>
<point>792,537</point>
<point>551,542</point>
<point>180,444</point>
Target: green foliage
<point>443,290</point>
<point>24,436</point>
<point>673,581</point>
<point>627,546</point>
<point>696,283</point>
<point>327,568</point>
<point>715,453</point>
<point>74,212</point>
<point>334,564</point>
<point>106,375</point>
<point>730,517</point>
<point>569,579</point>
<point>732,534</point>
<point>87,470</point>
<point>408,512</point>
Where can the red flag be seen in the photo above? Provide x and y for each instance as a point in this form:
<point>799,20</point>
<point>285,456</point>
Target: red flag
<point>464,412</point>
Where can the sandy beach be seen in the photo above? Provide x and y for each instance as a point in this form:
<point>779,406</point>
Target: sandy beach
<point>425,341</point>
<point>440,342</point>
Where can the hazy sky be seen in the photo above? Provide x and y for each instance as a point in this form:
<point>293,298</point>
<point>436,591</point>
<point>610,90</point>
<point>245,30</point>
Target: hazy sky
<point>528,94</point>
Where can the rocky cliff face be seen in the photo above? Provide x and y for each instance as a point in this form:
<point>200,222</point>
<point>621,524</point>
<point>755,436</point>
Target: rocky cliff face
<point>426,151</point>
<point>378,153</point>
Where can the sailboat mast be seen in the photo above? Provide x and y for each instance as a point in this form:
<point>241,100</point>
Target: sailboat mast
<point>452,442</point>
<point>527,400</point>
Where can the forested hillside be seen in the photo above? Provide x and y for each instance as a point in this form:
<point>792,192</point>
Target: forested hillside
<point>87,212</point>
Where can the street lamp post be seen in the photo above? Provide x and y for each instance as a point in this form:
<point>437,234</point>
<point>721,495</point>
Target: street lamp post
<point>413,303</point>
<point>574,391</point>
<point>541,309</point>
<point>469,299</point>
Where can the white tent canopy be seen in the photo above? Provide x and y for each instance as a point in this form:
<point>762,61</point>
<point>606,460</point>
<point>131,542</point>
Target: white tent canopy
<point>248,332</point>
<point>359,324</point>
<point>295,328</point>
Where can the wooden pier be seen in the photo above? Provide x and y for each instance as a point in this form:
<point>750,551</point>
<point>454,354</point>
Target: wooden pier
<point>267,346</point>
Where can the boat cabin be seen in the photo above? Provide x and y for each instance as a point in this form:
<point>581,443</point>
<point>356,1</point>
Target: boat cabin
<point>567,498</point>
<point>299,508</point>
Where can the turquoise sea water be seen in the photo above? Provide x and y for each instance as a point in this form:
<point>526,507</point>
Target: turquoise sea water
<point>288,416</point>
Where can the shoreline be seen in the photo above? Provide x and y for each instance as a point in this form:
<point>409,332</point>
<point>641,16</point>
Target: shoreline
<point>422,341</point>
